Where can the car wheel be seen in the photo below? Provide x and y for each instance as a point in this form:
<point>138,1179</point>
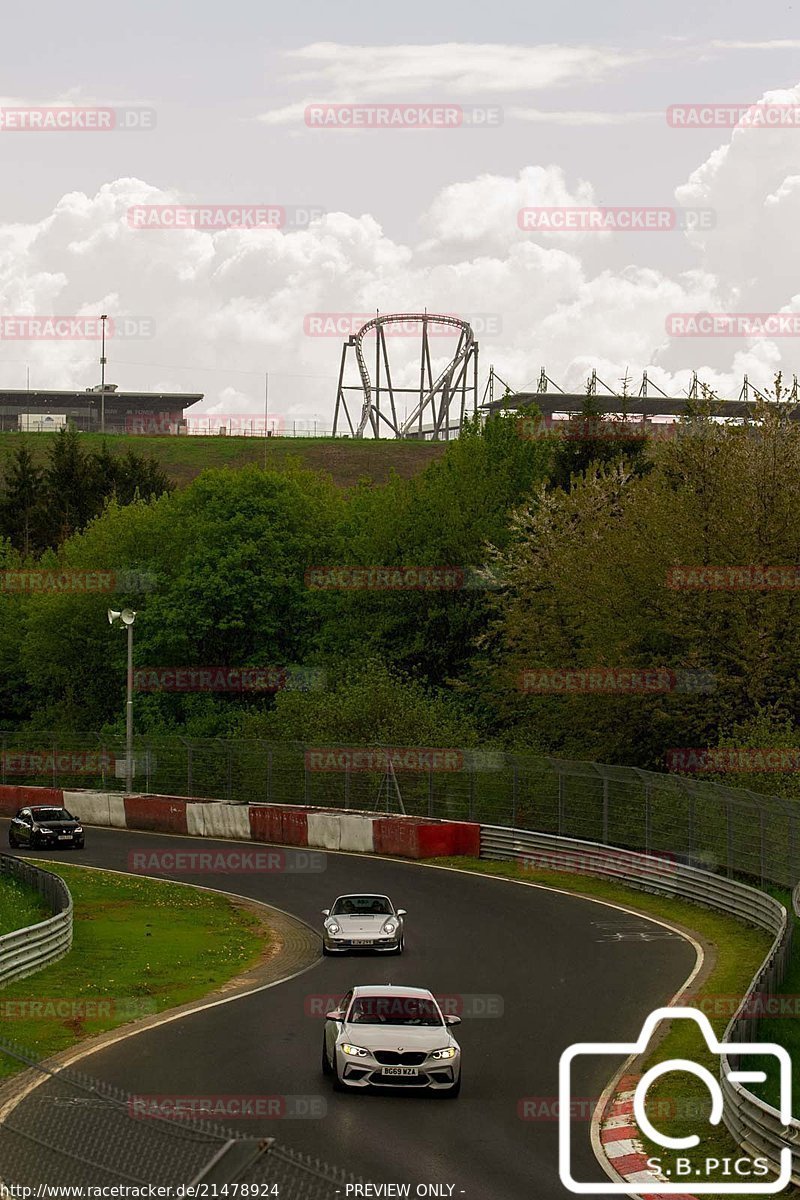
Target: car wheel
<point>453,1091</point>
<point>325,951</point>
<point>78,845</point>
<point>12,841</point>
<point>326,1066</point>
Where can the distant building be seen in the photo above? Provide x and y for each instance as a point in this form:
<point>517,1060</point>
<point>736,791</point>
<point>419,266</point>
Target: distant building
<point>125,412</point>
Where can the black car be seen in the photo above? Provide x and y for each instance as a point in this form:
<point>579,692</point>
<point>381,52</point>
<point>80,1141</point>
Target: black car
<point>41,826</point>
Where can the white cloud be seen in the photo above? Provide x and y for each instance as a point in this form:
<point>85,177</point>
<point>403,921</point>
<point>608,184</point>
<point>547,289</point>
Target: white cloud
<point>455,68</point>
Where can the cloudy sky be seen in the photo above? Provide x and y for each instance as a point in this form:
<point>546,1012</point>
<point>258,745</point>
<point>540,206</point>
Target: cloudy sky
<point>561,106</point>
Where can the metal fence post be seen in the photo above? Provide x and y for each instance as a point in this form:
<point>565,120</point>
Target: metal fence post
<point>762,846</point>
<point>792,848</point>
<point>605,810</point>
<point>269,774</point>
<point>189,764</point>
<point>648,817</point>
<point>430,791</point>
<point>561,802</point>
<point>347,785</point>
<point>690,830</point>
<point>230,771</point>
<point>729,814</point>
<point>514,792</point>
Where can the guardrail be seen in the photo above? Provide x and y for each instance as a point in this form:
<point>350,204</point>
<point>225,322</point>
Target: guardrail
<point>753,1123</point>
<point>28,950</point>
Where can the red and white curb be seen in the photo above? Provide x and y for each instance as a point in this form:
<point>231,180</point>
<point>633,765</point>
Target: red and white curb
<point>620,1140</point>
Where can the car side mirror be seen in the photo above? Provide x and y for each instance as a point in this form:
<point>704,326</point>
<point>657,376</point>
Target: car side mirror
<point>401,912</point>
<point>337,1014</point>
<point>452,1019</point>
<point>326,912</point>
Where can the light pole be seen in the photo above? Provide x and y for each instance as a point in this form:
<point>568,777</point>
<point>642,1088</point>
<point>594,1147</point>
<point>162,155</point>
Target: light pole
<point>127,617</point>
<point>103,320</point>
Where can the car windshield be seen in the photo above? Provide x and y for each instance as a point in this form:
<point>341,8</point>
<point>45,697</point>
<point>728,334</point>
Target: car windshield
<point>50,814</point>
<point>364,906</point>
<point>394,1010</point>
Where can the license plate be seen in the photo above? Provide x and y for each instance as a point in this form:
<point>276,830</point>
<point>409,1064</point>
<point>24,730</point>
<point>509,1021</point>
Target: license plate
<point>365,942</point>
<point>400,1071</point>
<point>65,837</point>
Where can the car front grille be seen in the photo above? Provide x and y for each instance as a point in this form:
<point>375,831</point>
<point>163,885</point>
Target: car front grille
<point>394,1058</point>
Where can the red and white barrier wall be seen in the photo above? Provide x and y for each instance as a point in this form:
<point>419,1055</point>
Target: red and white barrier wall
<point>278,824</point>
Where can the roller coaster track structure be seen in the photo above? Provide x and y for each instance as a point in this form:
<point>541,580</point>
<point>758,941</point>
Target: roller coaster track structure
<point>434,397</point>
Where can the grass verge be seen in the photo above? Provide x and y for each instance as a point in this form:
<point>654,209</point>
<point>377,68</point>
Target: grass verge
<point>140,946</point>
<point>183,458</point>
<point>20,905</point>
<point>677,1104</point>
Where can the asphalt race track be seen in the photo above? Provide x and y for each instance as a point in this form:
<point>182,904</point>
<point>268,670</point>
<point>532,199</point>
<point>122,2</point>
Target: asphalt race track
<point>567,970</point>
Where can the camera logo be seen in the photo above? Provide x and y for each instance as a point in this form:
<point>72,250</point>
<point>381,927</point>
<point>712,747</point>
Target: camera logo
<point>751,1172</point>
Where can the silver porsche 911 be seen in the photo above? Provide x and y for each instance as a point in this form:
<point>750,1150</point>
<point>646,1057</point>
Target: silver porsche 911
<point>363,922</point>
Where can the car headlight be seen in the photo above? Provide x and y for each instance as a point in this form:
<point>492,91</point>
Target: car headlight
<point>78,829</point>
<point>354,1051</point>
<point>389,927</point>
<point>332,927</point>
<point>41,829</point>
<point>446,1052</point>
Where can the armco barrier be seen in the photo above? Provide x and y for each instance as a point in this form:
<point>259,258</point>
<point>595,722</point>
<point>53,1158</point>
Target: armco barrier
<point>28,950</point>
<point>754,1124</point>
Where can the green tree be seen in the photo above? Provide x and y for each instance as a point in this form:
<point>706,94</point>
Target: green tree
<point>21,505</point>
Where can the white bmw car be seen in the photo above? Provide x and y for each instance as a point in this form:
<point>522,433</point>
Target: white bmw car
<point>363,922</point>
<point>391,1036</point>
